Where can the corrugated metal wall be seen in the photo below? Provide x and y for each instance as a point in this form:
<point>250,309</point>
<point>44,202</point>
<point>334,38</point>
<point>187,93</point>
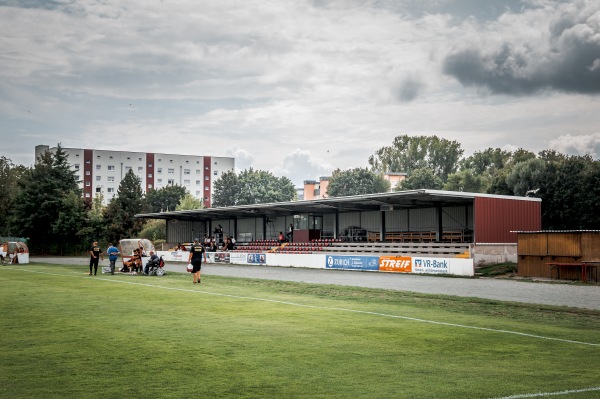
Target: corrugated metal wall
<point>397,220</point>
<point>184,231</point>
<point>495,218</point>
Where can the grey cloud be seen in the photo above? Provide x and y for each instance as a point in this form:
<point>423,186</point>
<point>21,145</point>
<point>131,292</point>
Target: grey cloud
<point>567,61</point>
<point>408,89</point>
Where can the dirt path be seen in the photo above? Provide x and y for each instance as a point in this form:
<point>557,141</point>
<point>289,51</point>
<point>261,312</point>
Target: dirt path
<point>546,293</point>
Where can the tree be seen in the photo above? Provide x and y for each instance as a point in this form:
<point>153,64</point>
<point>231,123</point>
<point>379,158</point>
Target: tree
<point>120,212</point>
<point>226,189</point>
<point>424,178</point>
<point>356,181</point>
<point>408,153</point>
<point>467,181</point>
<point>10,174</point>
<point>526,176</point>
<point>94,229</point>
<point>154,230</point>
<point>49,208</point>
<point>252,187</point>
<point>164,199</point>
<point>189,202</point>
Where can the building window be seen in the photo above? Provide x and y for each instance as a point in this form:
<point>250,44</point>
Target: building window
<point>111,168</point>
<point>76,166</point>
<point>127,169</point>
<point>186,182</point>
<point>98,156</point>
<point>205,177</point>
<point>77,155</point>
<point>88,173</point>
<point>186,171</point>
<point>88,161</point>
<point>98,178</point>
<point>215,172</point>
<point>98,189</point>
<point>171,171</point>
<point>110,190</point>
<point>197,193</point>
<point>149,175</point>
<point>171,182</point>
<point>139,159</point>
<point>159,181</point>
<point>87,195</point>
<point>98,167</point>
<point>87,184</point>
<point>140,168</point>
<point>187,161</point>
<point>206,188</point>
<point>128,158</point>
<point>170,161</point>
<point>111,179</point>
<point>159,170</point>
<point>197,171</point>
<point>149,185</point>
<point>198,182</point>
<point>149,165</point>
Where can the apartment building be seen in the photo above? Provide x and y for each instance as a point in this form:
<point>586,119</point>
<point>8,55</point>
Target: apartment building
<point>101,171</point>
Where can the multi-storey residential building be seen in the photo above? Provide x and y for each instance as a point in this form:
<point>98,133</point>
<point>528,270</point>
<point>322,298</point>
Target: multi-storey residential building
<point>101,171</point>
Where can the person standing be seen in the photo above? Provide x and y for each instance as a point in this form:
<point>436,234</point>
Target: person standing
<point>290,234</point>
<point>95,254</point>
<point>112,253</point>
<point>196,253</point>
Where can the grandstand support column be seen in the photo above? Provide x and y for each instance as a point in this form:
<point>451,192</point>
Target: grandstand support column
<point>440,228</point>
<point>382,231</point>
<point>336,227</point>
<point>264,228</point>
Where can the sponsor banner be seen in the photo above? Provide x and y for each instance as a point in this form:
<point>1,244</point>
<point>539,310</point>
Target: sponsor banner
<point>222,257</point>
<point>237,258</point>
<point>173,256</point>
<point>256,259</point>
<point>398,264</point>
<point>431,265</point>
<point>352,262</point>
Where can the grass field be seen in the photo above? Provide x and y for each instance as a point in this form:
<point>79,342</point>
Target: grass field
<point>64,334</point>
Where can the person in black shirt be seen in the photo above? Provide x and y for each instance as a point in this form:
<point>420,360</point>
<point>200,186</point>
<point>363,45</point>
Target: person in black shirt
<point>195,258</point>
<point>95,254</point>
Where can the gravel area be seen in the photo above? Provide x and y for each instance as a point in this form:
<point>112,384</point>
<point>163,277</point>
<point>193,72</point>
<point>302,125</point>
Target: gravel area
<point>540,292</point>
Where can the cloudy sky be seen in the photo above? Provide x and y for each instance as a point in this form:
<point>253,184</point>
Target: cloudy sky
<point>298,87</point>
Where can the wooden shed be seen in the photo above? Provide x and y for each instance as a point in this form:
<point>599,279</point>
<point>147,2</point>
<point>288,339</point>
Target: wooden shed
<point>557,254</point>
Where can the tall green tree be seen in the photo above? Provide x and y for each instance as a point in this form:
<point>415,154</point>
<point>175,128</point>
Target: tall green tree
<point>10,174</point>
<point>226,189</point>
<point>424,178</point>
<point>120,213</point>
<point>189,202</point>
<point>356,181</point>
<point>164,199</point>
<point>252,187</point>
<point>48,207</point>
<point>467,180</point>
<point>408,153</point>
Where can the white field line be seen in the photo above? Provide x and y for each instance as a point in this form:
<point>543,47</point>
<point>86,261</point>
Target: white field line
<point>440,323</point>
<point>546,394</point>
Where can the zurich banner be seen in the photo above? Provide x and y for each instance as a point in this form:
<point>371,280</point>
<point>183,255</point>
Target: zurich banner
<point>352,262</point>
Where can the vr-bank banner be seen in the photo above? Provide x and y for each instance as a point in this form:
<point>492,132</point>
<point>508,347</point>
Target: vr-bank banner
<point>352,262</point>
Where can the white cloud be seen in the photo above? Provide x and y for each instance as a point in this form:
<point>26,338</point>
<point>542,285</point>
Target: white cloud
<point>588,144</point>
<point>278,83</point>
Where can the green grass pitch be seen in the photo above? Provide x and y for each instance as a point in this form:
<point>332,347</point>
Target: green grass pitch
<point>64,334</point>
